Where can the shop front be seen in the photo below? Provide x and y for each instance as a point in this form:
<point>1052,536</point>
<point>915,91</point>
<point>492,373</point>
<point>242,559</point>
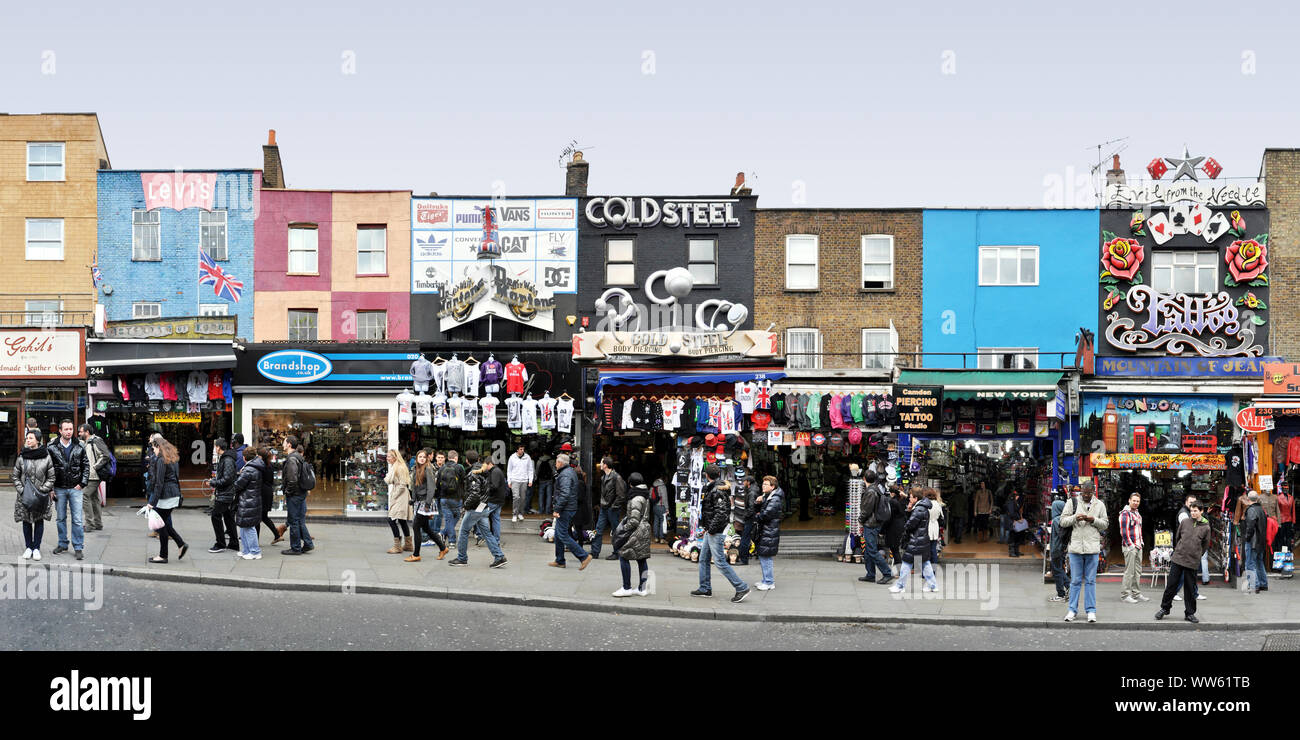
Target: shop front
<point>42,377</point>
<point>1273,421</point>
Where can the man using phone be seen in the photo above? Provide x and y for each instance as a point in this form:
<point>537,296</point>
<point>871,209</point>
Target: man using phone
<point>1086,516</point>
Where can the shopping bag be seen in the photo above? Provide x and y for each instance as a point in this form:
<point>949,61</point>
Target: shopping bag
<point>155,519</point>
<point>1284,561</point>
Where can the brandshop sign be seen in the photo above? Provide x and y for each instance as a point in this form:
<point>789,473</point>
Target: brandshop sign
<point>295,366</point>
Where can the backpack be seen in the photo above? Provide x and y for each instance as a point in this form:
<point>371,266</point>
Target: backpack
<point>111,470</point>
<point>306,476</point>
<point>449,480</point>
<point>883,510</point>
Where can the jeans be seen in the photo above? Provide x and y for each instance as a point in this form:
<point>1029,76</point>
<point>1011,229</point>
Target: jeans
<point>32,534</point>
<point>765,564</point>
<point>657,521</point>
<point>1186,578</point>
<point>519,489</point>
<point>1255,564</point>
<point>1205,568</point>
<point>1083,572</point>
<point>478,521</point>
<point>296,508</point>
<point>248,541</point>
<point>746,533</point>
<point>69,501</point>
<point>494,520</point>
<point>544,489</point>
<point>450,509</point>
<point>642,565</point>
<point>905,572</point>
<point>1132,572</point>
<point>564,538</point>
<point>1058,569</point>
<point>713,549</point>
<point>871,554</point>
<point>608,516</point>
<point>168,532</point>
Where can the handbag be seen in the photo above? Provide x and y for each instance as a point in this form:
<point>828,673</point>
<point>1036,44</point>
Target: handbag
<point>1019,525</point>
<point>33,500</point>
<point>621,537</point>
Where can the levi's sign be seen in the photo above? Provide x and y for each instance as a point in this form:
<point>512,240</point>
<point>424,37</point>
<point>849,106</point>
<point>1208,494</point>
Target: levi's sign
<point>646,212</point>
<point>294,366</point>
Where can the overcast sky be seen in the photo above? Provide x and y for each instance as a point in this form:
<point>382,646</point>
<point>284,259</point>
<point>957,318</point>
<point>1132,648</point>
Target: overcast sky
<point>855,104</point>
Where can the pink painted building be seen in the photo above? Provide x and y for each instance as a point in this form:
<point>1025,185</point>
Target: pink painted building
<point>332,265</point>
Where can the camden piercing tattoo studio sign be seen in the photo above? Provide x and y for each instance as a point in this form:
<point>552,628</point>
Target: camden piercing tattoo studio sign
<point>918,409</point>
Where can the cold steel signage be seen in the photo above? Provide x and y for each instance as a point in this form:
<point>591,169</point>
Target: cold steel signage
<point>645,212</point>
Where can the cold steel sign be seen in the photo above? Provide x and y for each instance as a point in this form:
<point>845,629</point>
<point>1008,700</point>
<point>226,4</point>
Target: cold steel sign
<point>699,213</point>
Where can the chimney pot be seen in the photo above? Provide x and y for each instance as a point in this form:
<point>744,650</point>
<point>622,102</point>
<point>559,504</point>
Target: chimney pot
<point>270,137</point>
<point>1114,162</point>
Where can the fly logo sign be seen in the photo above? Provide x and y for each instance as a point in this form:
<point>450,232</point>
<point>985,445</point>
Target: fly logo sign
<point>294,366</point>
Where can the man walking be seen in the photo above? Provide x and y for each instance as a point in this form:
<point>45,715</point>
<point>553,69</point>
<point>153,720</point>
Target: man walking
<point>613,497</point>
<point>71,475</point>
<point>450,482</point>
<point>519,473</point>
<point>223,502</point>
<point>1193,542</point>
<point>1059,541</point>
<point>485,491</point>
<point>97,459</point>
<point>958,506</point>
<point>1130,539</point>
<point>714,515</point>
<point>566,506</point>
<point>1086,518</point>
<point>545,477</point>
<point>295,499</point>
<point>870,509</point>
<point>1254,534</point>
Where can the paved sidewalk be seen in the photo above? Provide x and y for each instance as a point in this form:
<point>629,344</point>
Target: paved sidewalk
<point>351,556</point>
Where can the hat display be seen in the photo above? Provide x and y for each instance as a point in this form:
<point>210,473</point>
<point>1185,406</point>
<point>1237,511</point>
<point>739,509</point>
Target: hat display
<point>566,447</point>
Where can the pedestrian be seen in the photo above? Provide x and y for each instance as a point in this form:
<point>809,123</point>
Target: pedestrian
<point>519,474</point>
<point>545,478</point>
<point>35,468</point>
<point>72,474</point>
<point>897,523</point>
<point>165,495</point>
<point>771,507</point>
<point>449,480</point>
<point>486,492</point>
<point>1286,520</point>
<point>223,502</point>
<point>1011,513</point>
<point>715,513</point>
<point>268,498</point>
<point>957,509</point>
<point>742,512</point>
<point>566,498</point>
<point>424,493</point>
<point>147,467</point>
<point>613,497</point>
<point>247,490</point>
<point>631,539</point>
<point>1060,539</point>
<point>1086,518</point>
<point>97,461</point>
<point>240,449</point>
<point>1185,513</point>
<point>938,521</point>
<point>1130,539</point>
<point>399,503</point>
<point>585,519</point>
<point>983,507</point>
<point>658,509</point>
<point>1254,533</point>
<point>871,507</point>
<point>1193,541</point>
<point>917,536</point>
<point>295,499</point>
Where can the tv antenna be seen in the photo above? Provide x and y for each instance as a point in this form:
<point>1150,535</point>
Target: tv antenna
<point>1101,161</point>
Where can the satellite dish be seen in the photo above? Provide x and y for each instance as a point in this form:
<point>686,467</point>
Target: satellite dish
<point>108,289</point>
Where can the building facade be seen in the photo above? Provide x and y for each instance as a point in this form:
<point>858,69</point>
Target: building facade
<point>1280,173</point>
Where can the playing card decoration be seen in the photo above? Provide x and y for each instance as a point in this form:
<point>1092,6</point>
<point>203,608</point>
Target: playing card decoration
<point>1197,218</point>
<point>1161,229</point>
<point>1247,259</point>
<point>1135,225</point>
<point>1156,168</point>
<point>1178,216</point>
<point>1216,227</point>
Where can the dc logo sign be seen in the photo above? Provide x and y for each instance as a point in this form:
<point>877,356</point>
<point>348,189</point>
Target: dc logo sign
<point>294,366</point>
<point>557,277</point>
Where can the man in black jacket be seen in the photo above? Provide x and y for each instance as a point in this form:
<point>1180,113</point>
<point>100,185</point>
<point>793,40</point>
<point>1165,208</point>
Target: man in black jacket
<point>71,474</point>
<point>715,513</point>
<point>486,492</point>
<point>1254,534</point>
<point>871,525</point>
<point>223,503</point>
<point>450,480</point>
<point>295,499</point>
<point>613,498</point>
<point>565,505</point>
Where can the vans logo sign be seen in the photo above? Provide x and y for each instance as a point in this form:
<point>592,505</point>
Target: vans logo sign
<point>294,366</point>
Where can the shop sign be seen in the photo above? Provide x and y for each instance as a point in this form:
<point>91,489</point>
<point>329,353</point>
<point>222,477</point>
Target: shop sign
<point>177,417</point>
<point>698,213</point>
<point>294,366</point>
<point>802,439</point>
<point>493,291</point>
<point>616,345</point>
<point>1209,194</point>
<point>1281,378</point>
<point>1105,461</point>
<point>918,409</point>
<point>1265,482</point>
<point>178,190</point>
<point>1178,322</point>
<point>1251,420</point>
<point>1167,424</point>
<point>1056,406</point>
<point>198,327</point>
<point>36,353</point>
<point>1167,367</point>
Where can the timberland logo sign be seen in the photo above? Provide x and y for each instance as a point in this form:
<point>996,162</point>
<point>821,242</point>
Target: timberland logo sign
<point>294,366</point>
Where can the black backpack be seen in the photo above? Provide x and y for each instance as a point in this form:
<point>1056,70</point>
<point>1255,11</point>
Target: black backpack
<point>306,476</point>
<point>883,510</point>
<point>449,480</point>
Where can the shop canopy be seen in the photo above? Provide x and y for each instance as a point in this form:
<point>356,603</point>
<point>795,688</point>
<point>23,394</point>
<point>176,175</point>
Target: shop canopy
<point>666,378</point>
<point>121,357</point>
<point>967,385</point>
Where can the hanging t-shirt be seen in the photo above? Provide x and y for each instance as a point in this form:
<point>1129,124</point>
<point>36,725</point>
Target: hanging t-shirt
<point>153,387</point>
<point>546,411</point>
<point>855,407</point>
<point>833,408</point>
<point>454,416</point>
<point>745,395</point>
<point>196,388</point>
<point>168,383</point>
<point>136,384</point>
<point>564,415</point>
<point>439,409</point>
<point>471,379</point>
<point>727,417</point>
<point>516,376</point>
<point>528,415</point>
<point>885,409</point>
<point>469,411</point>
<point>214,385</point>
<point>490,375</point>
<point>227,391</point>
<point>628,408</point>
<point>687,422</point>
<point>513,420</point>
<point>814,411</point>
<point>761,419</point>
<point>671,412</point>
<point>405,407</point>
<point>488,411</point>
<point>454,376</point>
<point>644,415</point>
<point>440,376</point>
<point>424,409</point>
<point>1236,475</point>
<point>421,374</point>
<point>763,396</point>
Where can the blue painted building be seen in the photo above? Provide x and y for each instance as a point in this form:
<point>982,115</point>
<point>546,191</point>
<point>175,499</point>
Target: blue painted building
<point>1016,283</point>
<point>152,225</point>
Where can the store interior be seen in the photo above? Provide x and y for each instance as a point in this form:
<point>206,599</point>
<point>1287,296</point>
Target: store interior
<point>127,432</point>
<point>1163,494</point>
<point>347,449</point>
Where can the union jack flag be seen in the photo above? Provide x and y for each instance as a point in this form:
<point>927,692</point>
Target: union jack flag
<point>96,277</point>
<point>223,285</point>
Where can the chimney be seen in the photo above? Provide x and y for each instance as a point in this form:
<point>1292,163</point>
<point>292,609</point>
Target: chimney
<point>272,170</point>
<point>575,182</point>
<point>1114,176</point>
<point>739,188</point>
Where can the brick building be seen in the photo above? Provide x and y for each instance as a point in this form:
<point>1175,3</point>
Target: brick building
<point>841,284</point>
<point>1280,172</point>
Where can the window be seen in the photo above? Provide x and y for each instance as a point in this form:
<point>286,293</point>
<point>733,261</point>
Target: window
<point>302,325</point>
<point>1185,272</point>
<point>619,262</point>
<point>877,262</point>
<point>146,310</point>
<point>803,349</point>
<point>372,250</point>
<point>45,161</point>
<point>146,239</point>
<point>801,262</point>
<point>1008,358</point>
<point>212,234</point>
<point>702,260</point>
<point>878,348</point>
<point>1008,265</point>
<point>43,313</point>
<point>372,326</point>
<point>214,309</point>
<point>302,250</point>
<point>44,238</point>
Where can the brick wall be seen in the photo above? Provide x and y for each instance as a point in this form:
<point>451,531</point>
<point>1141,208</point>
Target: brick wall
<point>840,308</point>
<point>1282,185</point>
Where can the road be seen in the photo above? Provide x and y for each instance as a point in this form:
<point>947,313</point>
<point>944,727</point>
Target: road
<point>197,617</point>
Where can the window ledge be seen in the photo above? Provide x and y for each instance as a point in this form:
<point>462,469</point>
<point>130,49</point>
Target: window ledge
<point>136,260</point>
<point>302,274</point>
<point>803,290</point>
<point>371,274</point>
<point>877,290</point>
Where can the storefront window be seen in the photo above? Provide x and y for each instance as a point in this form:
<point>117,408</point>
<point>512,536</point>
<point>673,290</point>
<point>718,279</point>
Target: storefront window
<point>51,406</point>
<point>347,449</point>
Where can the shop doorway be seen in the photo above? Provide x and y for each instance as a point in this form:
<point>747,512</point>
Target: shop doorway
<point>11,430</point>
<point>1163,494</point>
<point>347,448</point>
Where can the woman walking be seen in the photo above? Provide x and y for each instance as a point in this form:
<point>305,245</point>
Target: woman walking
<point>399,502</point>
<point>938,519</point>
<point>268,496</point>
<point>34,468</point>
<point>424,491</point>
<point>165,495</point>
<point>248,504</point>
<point>1010,515</point>
<point>634,534</point>
<point>771,504</point>
<point>917,535</point>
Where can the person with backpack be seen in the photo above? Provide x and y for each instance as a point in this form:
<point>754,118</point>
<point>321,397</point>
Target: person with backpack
<point>33,476</point>
<point>223,502</point>
<point>1086,517</point>
<point>424,492</point>
<point>874,512</point>
<point>631,539</point>
<point>247,491</point>
<point>771,507</point>
<point>298,478</point>
<point>103,466</point>
<point>1060,539</point>
<point>486,491</point>
<point>449,481</point>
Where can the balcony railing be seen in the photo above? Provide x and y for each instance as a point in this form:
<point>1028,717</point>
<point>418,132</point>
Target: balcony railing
<point>885,361</point>
<point>46,319</point>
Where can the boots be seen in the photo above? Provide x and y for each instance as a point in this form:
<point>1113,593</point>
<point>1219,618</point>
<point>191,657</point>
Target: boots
<point>408,545</point>
<point>396,549</point>
<point>412,558</point>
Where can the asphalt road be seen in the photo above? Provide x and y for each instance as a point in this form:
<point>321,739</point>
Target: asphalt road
<point>142,614</point>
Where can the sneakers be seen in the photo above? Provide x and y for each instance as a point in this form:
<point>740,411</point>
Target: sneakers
<point>1161,613</point>
<point>1141,597</point>
<point>1059,598</point>
<point>1129,599</point>
<point>885,580</point>
<point>257,556</point>
<point>625,592</point>
<point>1092,617</point>
<point>457,561</point>
<point>60,550</point>
<point>897,588</point>
<point>1178,597</point>
<point>1201,597</point>
<point>36,554</point>
<point>702,593</point>
<point>1192,618</point>
<point>740,596</point>
<point>764,586</point>
<point>1069,616</point>
<point>27,554</point>
<point>499,562</point>
<point>215,549</point>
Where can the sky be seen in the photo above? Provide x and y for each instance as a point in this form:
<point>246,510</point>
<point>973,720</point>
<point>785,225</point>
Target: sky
<point>864,104</point>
